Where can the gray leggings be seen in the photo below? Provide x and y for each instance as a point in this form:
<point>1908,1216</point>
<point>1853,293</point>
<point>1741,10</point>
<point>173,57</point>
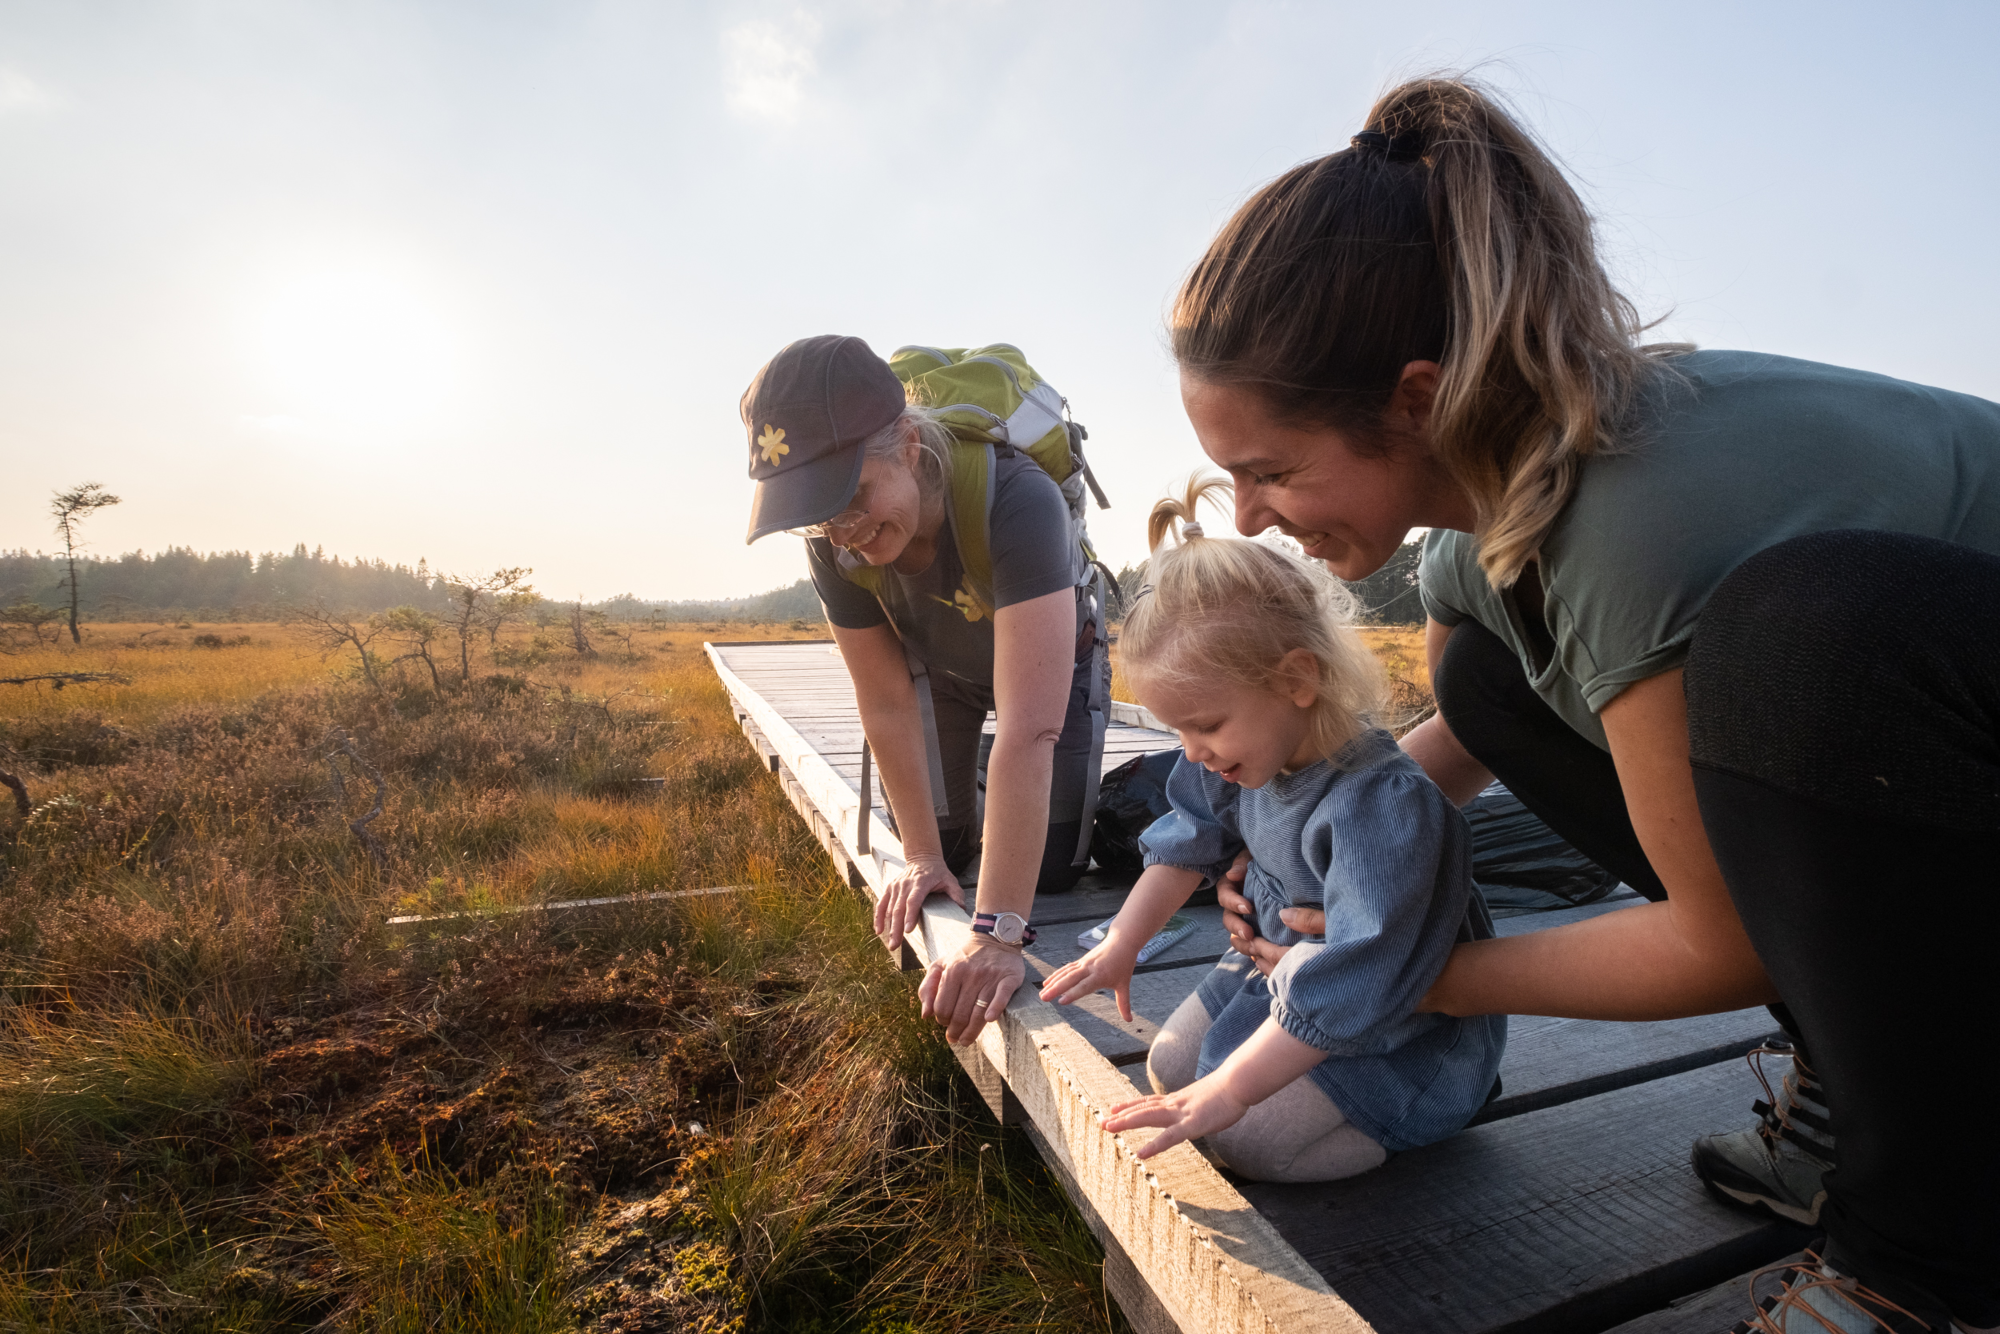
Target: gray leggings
<point>1296,1134</point>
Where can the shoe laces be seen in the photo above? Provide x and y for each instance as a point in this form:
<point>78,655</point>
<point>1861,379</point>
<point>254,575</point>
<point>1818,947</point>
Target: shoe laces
<point>1777,1110</point>
<point>1810,1275</point>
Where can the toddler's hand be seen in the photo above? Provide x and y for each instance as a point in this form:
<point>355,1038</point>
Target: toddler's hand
<point>1202,1108</point>
<point>1109,965</point>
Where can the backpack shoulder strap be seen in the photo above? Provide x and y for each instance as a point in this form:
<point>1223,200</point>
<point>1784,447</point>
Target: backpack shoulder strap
<point>971,510</point>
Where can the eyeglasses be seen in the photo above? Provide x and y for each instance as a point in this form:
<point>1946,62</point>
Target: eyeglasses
<point>845,519</point>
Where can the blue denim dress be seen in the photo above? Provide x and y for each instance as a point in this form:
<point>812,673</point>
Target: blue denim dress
<point>1367,837</point>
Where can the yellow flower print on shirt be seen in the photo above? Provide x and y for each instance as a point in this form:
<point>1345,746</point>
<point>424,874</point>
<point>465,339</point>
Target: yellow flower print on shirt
<point>772,442</point>
<point>967,604</point>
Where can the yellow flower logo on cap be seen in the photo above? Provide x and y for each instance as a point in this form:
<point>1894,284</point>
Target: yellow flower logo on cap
<point>772,442</point>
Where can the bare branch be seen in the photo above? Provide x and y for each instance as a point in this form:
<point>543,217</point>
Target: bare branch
<point>344,745</point>
<point>20,791</point>
<point>61,679</point>
<point>489,601</point>
<point>332,630</point>
<point>415,629</point>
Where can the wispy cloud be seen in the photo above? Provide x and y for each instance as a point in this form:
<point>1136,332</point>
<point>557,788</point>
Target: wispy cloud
<point>21,95</point>
<point>766,65</point>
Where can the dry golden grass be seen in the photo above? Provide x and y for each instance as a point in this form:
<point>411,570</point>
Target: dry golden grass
<point>235,1100</point>
<point>169,671</point>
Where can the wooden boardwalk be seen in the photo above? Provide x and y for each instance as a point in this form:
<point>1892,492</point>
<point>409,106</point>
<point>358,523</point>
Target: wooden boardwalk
<point>1568,1207</point>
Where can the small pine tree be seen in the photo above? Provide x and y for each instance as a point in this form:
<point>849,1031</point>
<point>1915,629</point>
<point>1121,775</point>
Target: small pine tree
<point>71,508</point>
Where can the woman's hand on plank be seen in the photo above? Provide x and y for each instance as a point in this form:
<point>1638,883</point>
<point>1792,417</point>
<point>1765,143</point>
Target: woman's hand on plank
<point>972,986</point>
<point>902,903</point>
<point>1202,1108</point>
<point>1108,965</point>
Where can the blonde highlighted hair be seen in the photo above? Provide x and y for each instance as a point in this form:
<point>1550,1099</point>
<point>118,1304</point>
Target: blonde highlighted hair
<point>1230,609</point>
<point>1447,233</point>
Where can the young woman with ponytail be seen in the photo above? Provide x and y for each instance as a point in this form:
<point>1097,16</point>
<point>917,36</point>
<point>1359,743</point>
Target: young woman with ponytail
<point>1728,622</point>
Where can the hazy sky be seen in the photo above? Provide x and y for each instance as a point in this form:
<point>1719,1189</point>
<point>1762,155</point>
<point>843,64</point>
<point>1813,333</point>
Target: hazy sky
<point>482,282</point>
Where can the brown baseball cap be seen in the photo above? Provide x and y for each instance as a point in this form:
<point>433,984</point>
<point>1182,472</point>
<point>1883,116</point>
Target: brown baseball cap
<point>807,413</point>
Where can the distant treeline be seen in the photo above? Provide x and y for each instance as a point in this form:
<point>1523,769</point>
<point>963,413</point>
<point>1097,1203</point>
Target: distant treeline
<point>182,584</point>
<point>234,585</point>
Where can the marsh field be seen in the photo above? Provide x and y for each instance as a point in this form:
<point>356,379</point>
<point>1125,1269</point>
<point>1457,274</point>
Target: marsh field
<point>233,1097</point>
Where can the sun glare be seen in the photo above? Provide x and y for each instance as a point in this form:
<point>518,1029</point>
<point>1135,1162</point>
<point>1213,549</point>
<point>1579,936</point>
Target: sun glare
<point>354,346</point>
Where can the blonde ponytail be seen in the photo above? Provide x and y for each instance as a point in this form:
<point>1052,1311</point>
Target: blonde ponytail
<point>1180,510</point>
<point>1229,609</point>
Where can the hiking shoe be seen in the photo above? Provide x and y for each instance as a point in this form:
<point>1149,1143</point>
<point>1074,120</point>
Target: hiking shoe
<point>1815,1299</point>
<point>1775,1167</point>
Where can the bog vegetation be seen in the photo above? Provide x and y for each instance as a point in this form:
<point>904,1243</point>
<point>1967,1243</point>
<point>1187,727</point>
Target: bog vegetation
<point>234,1097</point>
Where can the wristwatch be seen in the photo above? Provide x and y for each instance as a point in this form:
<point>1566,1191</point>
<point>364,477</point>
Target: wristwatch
<point>1009,928</point>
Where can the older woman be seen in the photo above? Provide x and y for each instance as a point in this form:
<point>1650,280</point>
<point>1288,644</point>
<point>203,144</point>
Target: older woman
<point>842,457</point>
<point>1728,622</point>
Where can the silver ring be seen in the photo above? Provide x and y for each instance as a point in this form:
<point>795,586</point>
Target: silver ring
<point>976,1004</point>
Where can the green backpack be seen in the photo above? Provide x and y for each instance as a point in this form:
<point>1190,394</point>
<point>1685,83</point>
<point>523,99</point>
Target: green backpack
<point>990,397</point>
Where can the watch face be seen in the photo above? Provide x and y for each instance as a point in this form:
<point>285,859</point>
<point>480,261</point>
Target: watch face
<point>1009,926</point>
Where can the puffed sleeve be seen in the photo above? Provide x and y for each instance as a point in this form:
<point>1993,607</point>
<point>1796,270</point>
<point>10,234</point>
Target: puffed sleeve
<point>1200,833</point>
<point>1398,873</point>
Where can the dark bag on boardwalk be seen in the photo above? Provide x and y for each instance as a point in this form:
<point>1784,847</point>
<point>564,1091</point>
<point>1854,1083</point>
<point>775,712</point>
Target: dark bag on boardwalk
<point>1131,797</point>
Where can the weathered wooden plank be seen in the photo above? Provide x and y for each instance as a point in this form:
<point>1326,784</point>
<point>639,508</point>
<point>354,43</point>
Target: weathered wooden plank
<point>1552,1061</point>
<point>1155,995</point>
<point>1205,1255</point>
<point>1567,1219</point>
<point>1706,1312</point>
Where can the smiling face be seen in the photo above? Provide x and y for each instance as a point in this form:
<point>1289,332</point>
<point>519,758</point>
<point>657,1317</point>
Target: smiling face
<point>1244,734</point>
<point>891,506</point>
<point>1308,482</point>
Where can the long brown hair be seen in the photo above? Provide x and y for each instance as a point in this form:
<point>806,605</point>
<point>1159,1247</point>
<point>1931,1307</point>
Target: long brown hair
<point>1449,235</point>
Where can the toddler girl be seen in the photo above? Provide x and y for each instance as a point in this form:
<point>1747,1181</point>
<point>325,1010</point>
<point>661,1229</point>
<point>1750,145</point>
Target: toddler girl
<point>1324,1068</point>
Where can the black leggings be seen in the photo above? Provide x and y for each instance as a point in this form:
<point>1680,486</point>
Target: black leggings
<point>1843,698</point>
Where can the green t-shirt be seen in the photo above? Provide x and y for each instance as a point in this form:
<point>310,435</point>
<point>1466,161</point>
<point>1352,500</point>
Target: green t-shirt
<point>1748,451</point>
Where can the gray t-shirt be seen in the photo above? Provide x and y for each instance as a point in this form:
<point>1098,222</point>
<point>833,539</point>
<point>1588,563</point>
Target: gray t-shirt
<point>1033,555</point>
<point>1749,451</point>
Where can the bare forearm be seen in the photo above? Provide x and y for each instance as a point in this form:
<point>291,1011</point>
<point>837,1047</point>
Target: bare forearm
<point>1636,963</point>
<point>1017,820</point>
<point>1271,1059</point>
<point>1431,744</point>
<point>1158,895</point>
